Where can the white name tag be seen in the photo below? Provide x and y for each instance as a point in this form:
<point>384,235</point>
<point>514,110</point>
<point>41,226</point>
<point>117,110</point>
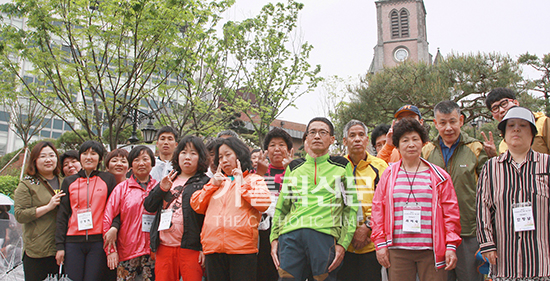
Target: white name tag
<point>146,222</point>
<point>523,217</point>
<point>412,216</point>
<point>84,218</point>
<point>165,219</point>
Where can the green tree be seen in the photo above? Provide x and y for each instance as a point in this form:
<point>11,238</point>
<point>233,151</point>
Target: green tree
<point>71,140</point>
<point>99,59</point>
<point>465,79</point>
<point>542,84</point>
<point>271,74</point>
<point>8,184</point>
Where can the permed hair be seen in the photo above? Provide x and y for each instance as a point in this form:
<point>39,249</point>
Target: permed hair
<point>241,151</point>
<point>31,168</point>
<point>408,125</point>
<point>278,133</point>
<point>198,145</point>
<point>497,94</point>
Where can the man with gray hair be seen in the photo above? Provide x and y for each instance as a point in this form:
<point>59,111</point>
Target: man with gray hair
<point>360,261</point>
<point>463,158</point>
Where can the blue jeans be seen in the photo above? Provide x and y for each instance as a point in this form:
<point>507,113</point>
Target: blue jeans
<point>306,252</point>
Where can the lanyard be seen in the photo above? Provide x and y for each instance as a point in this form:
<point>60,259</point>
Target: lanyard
<point>411,183</point>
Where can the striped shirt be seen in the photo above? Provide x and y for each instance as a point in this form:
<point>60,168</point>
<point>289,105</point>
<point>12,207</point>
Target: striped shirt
<point>413,188</point>
<point>503,183</point>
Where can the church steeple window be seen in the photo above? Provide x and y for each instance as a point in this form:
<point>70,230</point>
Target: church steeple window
<point>399,23</point>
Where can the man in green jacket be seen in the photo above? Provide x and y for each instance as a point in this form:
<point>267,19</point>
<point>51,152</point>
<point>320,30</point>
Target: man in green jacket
<point>316,212</point>
<point>463,158</point>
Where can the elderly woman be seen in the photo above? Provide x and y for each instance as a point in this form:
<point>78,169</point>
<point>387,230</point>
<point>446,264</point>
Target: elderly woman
<point>231,202</point>
<point>415,216</point>
<point>513,204</point>
<point>132,247</point>
<point>36,201</point>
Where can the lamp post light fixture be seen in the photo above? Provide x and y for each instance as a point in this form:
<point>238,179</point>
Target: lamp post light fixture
<point>474,125</point>
<point>149,131</point>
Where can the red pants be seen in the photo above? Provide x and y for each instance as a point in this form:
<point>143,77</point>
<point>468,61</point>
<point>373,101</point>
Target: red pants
<point>175,262</point>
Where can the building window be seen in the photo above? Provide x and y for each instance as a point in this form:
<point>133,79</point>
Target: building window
<point>399,23</point>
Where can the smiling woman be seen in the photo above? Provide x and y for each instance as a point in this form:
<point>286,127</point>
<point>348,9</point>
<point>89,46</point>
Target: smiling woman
<point>132,253</point>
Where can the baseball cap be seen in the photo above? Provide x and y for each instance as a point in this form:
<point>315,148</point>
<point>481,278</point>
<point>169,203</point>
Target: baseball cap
<point>518,112</point>
<point>409,108</point>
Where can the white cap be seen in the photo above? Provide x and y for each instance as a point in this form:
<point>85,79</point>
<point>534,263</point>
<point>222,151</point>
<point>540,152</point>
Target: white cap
<point>518,112</point>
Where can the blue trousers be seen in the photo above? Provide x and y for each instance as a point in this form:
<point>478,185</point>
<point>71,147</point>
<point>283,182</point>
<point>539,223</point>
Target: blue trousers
<point>306,252</point>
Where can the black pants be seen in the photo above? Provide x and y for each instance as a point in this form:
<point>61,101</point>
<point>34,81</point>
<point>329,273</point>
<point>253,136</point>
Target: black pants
<point>360,267</point>
<point>38,269</point>
<point>266,267</point>
<point>85,261</point>
<point>224,267</point>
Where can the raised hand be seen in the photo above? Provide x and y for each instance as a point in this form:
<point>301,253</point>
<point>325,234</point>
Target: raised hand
<point>168,180</point>
<point>288,158</point>
<point>489,145</point>
<point>263,164</point>
<point>238,172</point>
<point>218,177</point>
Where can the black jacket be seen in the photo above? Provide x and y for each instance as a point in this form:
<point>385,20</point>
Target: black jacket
<point>192,222</point>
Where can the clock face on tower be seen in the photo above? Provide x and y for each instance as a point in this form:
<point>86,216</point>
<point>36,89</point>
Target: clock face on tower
<point>400,54</point>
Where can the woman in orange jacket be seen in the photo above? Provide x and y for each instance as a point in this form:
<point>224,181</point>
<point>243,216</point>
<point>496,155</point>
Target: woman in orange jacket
<point>231,201</point>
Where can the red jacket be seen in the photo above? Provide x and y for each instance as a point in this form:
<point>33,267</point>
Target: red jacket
<point>127,200</point>
<point>232,214</point>
<point>445,212</point>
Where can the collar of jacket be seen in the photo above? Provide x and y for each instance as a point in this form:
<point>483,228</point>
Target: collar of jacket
<point>319,159</point>
<point>363,162</point>
<point>395,168</point>
<point>82,173</point>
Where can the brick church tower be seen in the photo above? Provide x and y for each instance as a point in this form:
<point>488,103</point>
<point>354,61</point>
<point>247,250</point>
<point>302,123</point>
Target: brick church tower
<point>401,33</point>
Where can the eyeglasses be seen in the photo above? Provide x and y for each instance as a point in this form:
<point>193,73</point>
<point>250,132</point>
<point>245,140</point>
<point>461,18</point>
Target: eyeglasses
<point>495,108</point>
<point>322,133</point>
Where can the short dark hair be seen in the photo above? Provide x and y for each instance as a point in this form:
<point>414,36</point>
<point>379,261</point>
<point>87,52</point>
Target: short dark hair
<point>381,129</point>
<point>278,133</point>
<point>96,146</point>
<point>115,153</point>
<point>447,107</point>
<point>497,94</point>
<point>255,150</point>
<point>68,154</point>
<point>213,144</point>
<point>197,143</point>
<point>241,151</point>
<point>31,169</point>
<point>136,151</point>
<point>167,129</point>
<point>408,125</point>
<point>227,133</point>
<point>324,120</point>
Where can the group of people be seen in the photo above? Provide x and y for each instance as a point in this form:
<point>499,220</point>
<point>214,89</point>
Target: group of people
<point>420,208</point>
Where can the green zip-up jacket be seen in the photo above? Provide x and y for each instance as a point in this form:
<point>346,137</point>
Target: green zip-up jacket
<point>318,193</point>
<point>464,167</point>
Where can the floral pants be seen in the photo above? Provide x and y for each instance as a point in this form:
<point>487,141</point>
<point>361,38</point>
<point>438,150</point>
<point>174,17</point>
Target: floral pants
<point>130,269</point>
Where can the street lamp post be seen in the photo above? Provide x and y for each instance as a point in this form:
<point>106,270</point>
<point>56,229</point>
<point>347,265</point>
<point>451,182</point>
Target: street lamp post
<point>149,131</point>
<point>474,125</point>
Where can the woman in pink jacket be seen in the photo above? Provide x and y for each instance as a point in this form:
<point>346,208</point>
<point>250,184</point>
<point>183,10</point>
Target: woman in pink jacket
<point>132,248</point>
<point>415,216</point>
